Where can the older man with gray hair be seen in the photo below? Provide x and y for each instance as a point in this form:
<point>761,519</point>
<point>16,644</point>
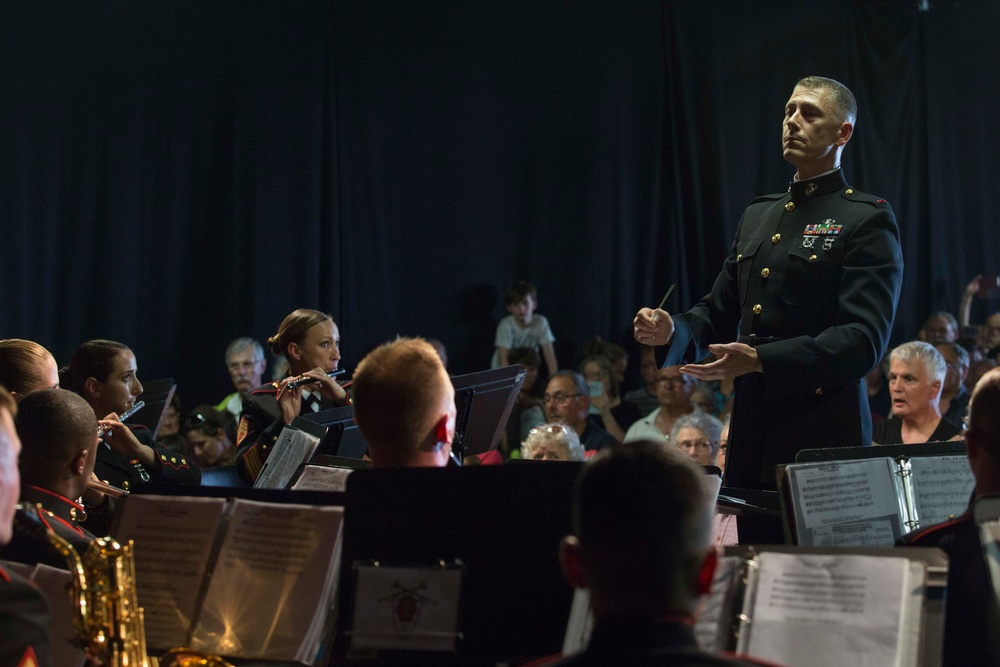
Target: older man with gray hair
<point>916,375</point>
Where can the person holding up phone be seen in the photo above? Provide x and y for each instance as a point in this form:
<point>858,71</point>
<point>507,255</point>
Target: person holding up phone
<point>611,412</point>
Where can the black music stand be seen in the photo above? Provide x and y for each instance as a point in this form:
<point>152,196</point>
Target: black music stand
<point>157,395</point>
<point>343,437</point>
<point>484,401</point>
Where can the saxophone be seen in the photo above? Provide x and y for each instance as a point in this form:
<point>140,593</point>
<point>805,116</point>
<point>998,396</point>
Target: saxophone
<point>108,618</point>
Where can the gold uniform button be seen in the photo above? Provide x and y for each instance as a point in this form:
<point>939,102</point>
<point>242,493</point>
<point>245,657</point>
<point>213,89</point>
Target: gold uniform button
<point>812,258</point>
<point>790,206</point>
<point>775,238</point>
<point>849,191</point>
<point>739,257</point>
<point>757,309</point>
<point>765,272</point>
<point>819,391</point>
<point>125,485</point>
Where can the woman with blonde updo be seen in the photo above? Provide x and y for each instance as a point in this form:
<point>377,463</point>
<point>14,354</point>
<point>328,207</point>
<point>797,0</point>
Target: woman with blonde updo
<point>310,340</point>
<point>26,366</point>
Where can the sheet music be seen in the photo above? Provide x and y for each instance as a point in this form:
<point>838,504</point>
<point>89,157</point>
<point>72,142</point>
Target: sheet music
<point>942,487</point>
<point>269,585</point>
<point>322,478</point>
<point>813,609</point>
<point>292,449</point>
<point>852,504</point>
<point>173,538</point>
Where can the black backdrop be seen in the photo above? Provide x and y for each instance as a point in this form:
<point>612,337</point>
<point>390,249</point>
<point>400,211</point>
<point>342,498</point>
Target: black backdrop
<point>176,174</point>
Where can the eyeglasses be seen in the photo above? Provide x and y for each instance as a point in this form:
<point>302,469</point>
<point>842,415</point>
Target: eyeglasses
<point>558,429</point>
<point>698,445</point>
<point>559,399</point>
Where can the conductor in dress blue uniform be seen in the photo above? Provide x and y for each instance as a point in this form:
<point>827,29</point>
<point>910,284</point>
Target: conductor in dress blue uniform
<point>804,304</point>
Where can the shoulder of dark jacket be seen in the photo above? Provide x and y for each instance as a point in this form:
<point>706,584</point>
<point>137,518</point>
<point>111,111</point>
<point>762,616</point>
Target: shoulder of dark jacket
<point>850,194</point>
<point>269,388</point>
<point>766,198</point>
<point>930,532</point>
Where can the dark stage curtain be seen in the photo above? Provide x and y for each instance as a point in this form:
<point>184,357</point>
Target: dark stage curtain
<point>174,175</point>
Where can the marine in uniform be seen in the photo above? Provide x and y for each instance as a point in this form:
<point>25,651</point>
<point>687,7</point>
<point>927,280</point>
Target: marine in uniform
<point>45,511</point>
<point>24,623</point>
<point>119,470</point>
<point>804,305</point>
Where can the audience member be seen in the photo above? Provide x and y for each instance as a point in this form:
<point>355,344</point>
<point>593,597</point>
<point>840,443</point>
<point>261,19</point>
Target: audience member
<point>26,366</point>
<point>703,398</point>
<point>567,400</point>
<point>941,327</point>
<point>311,342</point>
<point>916,374</point>
<point>971,614</point>
<point>615,354</point>
<point>552,442</point>
<point>725,532</point>
<point>641,521</point>
<point>645,397</point>
<point>673,391</point>
<point>612,413</point>
<point>245,363</point>
<point>523,327</point>
<point>24,611</point>
<point>987,335</point>
<point>723,444</point>
<point>404,404</point>
<point>976,371</point>
<point>105,373</point>
<point>205,431</point>
<point>954,397</point>
<point>697,435</point>
<point>58,432</point>
<point>528,410</point>
<point>169,436</point>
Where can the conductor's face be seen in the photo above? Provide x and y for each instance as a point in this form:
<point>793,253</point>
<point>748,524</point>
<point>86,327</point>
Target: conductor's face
<point>812,132</point>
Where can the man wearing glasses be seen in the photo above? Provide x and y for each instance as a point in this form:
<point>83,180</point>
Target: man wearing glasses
<point>567,400</point>
<point>245,363</point>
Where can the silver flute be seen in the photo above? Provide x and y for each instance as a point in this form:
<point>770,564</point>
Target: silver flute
<point>308,380</point>
<point>106,431</point>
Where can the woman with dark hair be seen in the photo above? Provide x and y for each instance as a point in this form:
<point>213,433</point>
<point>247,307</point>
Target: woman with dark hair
<point>104,373</point>
<point>310,341</point>
<point>26,366</point>
<point>613,414</point>
<point>205,432</point>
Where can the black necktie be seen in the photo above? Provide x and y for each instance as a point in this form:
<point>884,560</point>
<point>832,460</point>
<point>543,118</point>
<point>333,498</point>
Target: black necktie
<point>310,403</point>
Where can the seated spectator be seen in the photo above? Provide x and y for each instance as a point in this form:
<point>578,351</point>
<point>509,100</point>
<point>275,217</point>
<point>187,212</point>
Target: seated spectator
<point>615,354</point>
<point>976,371</point>
<point>640,543</point>
<point>941,327</point>
<point>916,374</point>
<point>404,404</point>
<point>552,442</point>
<point>528,411</point>
<point>567,400</point>
<point>246,364</point>
<point>724,530</point>
<point>971,614</point>
<point>205,432</point>
<point>311,342</point>
<point>645,397</point>
<point>26,366</point>
<point>703,398</point>
<point>697,435</point>
<point>105,374</point>
<point>612,413</point>
<point>169,436</point>
<point>987,335</point>
<point>673,391</point>
<point>24,611</point>
<point>58,433</point>
<point>954,398</point>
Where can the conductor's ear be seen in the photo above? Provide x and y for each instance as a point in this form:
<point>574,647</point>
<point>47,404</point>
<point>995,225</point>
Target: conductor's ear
<point>569,561</point>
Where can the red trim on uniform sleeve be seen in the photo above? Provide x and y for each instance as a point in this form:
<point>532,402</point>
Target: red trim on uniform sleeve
<point>935,528</point>
<point>28,659</point>
<point>4,575</point>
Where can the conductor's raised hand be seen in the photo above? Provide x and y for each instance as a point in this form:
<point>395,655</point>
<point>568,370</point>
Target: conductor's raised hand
<point>653,327</point>
<point>734,360</point>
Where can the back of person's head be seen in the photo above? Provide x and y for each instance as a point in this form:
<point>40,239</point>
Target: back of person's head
<point>844,103</point>
<point>94,359</point>
<point>524,356</point>
<point>245,343</point>
<point>294,328</point>
<point>643,521</point>
<point>518,291</point>
<point>961,354</point>
<point>10,478</point>
<point>399,391</point>
<point>919,352</point>
<point>55,426</point>
<point>23,365</point>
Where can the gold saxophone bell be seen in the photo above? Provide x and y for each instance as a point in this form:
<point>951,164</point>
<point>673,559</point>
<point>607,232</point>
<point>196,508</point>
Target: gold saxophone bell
<point>108,618</point>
